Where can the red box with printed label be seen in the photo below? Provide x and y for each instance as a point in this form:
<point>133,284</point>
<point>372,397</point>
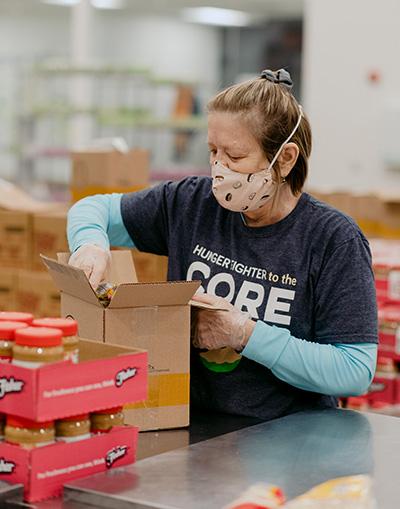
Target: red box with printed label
<point>382,389</point>
<point>44,470</point>
<point>106,376</point>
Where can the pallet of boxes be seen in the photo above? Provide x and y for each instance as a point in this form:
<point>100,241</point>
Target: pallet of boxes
<point>27,228</point>
<point>61,400</point>
<point>384,393</point>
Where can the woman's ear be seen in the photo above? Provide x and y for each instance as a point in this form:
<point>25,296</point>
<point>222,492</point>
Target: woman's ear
<point>288,158</point>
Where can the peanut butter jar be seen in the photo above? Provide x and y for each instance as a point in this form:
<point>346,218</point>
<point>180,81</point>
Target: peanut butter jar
<point>35,346</point>
<point>72,429</point>
<point>69,329</point>
<point>27,433</point>
<point>104,420</point>
<point>15,316</point>
<point>7,336</point>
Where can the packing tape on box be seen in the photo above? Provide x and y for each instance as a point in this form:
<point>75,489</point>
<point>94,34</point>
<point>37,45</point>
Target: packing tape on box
<point>370,227</point>
<point>77,193</point>
<point>166,390</point>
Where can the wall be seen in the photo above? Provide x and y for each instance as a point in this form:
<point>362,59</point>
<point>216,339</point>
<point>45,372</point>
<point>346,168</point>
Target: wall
<point>355,120</point>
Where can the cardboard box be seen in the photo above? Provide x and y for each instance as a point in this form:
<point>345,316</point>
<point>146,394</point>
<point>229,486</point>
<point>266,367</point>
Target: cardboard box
<point>152,316</point>
<point>150,268</point>
<point>106,376</point>
<point>49,235</point>
<point>15,239</point>
<point>108,171</point>
<point>8,286</point>
<point>36,293</point>
<point>44,470</point>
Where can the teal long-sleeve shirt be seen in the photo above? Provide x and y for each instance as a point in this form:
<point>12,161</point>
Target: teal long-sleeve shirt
<point>335,369</point>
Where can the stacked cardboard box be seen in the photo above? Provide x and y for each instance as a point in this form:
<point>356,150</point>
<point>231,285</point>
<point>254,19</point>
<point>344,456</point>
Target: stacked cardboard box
<point>27,228</point>
<point>108,171</point>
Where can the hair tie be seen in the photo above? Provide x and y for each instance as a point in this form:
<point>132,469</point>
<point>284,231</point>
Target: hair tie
<point>280,77</point>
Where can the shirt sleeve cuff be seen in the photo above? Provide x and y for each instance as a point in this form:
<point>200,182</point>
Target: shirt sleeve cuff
<point>266,344</point>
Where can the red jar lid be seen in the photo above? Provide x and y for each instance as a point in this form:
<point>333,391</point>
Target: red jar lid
<point>114,410</point>
<point>15,316</point>
<point>38,336</point>
<point>390,313</point>
<point>21,422</point>
<point>7,329</point>
<point>81,417</point>
<point>68,326</point>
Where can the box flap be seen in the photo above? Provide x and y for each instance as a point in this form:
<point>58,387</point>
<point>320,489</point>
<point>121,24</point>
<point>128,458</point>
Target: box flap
<point>204,305</point>
<point>122,268</point>
<point>15,199</point>
<point>71,280</point>
<point>172,293</point>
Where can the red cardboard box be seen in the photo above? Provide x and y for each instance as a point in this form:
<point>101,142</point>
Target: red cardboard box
<point>389,329</point>
<point>106,376</point>
<point>44,470</point>
<point>382,389</point>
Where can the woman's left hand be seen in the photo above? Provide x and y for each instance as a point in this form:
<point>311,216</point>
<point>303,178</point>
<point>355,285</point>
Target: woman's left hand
<point>217,329</point>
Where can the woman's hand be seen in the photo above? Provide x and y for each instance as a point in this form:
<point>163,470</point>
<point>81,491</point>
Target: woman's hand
<point>94,260</point>
<point>217,329</point>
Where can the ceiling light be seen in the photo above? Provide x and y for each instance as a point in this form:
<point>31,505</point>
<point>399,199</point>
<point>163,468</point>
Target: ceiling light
<point>108,4</point>
<point>216,16</point>
<point>61,2</point>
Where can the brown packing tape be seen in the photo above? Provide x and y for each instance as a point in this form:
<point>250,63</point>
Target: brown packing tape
<point>77,193</point>
<point>166,390</point>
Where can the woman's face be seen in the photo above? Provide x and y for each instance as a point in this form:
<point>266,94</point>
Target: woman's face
<point>232,144</point>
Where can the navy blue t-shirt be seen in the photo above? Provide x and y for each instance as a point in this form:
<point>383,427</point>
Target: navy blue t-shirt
<point>310,273</point>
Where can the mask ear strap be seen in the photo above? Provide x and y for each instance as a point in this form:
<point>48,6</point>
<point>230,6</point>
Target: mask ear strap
<point>287,139</point>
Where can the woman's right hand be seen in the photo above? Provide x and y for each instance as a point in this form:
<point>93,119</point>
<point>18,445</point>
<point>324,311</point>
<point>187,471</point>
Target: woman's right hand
<point>94,260</point>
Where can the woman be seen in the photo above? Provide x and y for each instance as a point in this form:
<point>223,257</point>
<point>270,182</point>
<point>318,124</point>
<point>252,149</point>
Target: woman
<point>293,274</point>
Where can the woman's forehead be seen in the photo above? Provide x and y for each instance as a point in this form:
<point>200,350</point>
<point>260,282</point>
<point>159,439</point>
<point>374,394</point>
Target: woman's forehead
<point>229,129</point>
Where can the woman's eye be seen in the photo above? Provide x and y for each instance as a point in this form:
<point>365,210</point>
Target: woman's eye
<point>235,158</point>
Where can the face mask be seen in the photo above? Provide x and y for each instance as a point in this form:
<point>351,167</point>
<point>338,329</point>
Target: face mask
<point>246,192</point>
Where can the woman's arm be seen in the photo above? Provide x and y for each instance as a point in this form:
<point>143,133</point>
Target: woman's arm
<point>340,369</point>
<point>97,220</point>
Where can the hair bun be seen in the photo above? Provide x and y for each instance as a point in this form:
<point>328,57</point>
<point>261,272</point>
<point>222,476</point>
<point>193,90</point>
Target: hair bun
<point>280,77</point>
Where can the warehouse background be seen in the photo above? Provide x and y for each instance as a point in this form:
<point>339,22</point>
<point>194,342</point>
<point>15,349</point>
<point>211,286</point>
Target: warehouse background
<point>110,95</point>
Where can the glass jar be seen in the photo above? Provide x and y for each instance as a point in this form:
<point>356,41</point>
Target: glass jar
<point>103,420</point>
<point>15,316</point>
<point>72,429</point>
<point>7,335</point>
<point>35,346</point>
<point>27,433</point>
<point>69,329</point>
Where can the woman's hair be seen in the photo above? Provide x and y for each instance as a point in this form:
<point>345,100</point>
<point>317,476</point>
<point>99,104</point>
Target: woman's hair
<point>271,113</point>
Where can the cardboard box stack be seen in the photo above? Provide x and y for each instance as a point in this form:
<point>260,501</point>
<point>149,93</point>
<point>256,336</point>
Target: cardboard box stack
<point>28,227</point>
<point>384,392</point>
<point>103,170</point>
<point>105,377</point>
<point>153,316</point>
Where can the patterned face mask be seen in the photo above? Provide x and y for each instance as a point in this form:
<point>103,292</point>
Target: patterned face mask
<point>245,192</point>
<point>241,192</point>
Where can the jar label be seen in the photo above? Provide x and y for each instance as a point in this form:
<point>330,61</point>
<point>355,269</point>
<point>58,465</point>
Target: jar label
<point>394,284</point>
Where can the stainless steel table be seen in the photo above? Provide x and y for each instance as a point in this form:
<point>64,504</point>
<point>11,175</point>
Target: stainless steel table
<point>295,452</point>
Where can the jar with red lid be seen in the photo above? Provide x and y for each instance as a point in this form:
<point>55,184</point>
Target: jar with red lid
<point>69,329</point>
<point>72,429</point>
<point>7,336</point>
<point>103,420</point>
<point>28,433</point>
<point>15,316</point>
<point>35,346</point>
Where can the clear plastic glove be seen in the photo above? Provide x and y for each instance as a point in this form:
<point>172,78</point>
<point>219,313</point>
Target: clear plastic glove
<point>217,329</point>
<point>94,260</point>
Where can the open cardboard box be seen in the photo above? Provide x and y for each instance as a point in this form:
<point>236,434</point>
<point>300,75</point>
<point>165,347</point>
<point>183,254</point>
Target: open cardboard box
<point>44,470</point>
<point>106,376</point>
<point>152,316</point>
